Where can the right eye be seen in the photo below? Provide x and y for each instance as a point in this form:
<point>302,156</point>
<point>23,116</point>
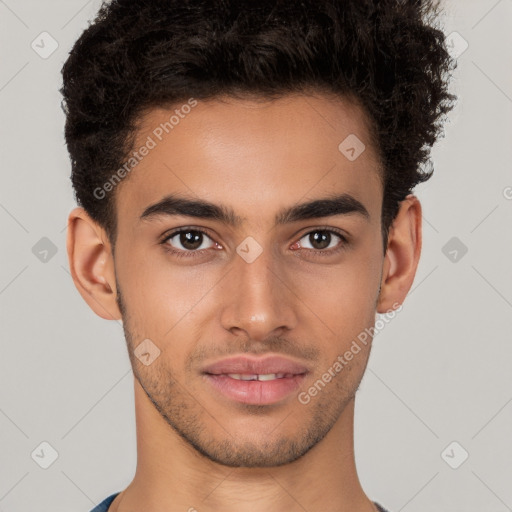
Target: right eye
<point>186,240</point>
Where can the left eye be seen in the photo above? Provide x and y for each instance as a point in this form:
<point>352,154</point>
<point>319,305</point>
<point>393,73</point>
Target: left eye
<point>321,240</point>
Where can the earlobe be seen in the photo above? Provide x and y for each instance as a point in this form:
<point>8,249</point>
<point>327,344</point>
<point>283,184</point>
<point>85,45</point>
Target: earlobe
<point>91,264</point>
<point>402,255</point>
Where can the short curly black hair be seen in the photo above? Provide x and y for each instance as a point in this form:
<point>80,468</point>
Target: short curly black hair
<point>389,56</point>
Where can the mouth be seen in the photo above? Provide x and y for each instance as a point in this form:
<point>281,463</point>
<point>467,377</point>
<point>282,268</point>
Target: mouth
<point>264,377</point>
<point>255,381</point>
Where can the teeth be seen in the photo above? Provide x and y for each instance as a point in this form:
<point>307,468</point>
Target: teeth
<point>267,376</point>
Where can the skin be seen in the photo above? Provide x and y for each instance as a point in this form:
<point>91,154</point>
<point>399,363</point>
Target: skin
<point>196,448</point>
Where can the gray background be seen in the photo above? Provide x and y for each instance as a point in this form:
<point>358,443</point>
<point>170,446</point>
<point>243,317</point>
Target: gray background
<point>438,373</point>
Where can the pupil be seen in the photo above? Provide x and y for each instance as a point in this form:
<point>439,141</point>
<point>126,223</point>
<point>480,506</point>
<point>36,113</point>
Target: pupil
<point>322,238</point>
<point>191,239</point>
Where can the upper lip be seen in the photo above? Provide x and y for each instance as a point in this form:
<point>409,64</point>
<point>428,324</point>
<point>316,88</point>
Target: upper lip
<point>255,366</point>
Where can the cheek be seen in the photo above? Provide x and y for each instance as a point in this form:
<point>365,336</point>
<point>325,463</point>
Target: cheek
<point>160,295</point>
<point>342,296</point>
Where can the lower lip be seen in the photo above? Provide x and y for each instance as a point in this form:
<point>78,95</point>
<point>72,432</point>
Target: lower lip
<point>255,392</point>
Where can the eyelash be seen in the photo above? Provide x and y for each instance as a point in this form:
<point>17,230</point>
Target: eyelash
<point>197,253</point>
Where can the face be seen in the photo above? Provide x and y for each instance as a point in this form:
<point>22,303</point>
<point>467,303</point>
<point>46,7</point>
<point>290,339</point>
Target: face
<point>267,282</point>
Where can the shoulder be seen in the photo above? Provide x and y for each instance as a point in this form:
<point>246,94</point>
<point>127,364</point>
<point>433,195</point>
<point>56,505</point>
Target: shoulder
<point>105,504</point>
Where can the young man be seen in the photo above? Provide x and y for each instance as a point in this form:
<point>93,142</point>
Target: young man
<point>244,173</point>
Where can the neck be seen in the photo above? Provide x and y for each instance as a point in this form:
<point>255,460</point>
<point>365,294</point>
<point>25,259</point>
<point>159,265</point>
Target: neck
<point>172,476</point>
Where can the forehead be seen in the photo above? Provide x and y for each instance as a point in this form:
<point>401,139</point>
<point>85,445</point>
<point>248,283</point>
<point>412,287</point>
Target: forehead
<point>257,156</point>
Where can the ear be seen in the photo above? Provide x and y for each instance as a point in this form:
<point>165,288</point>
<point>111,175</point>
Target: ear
<point>92,264</point>
<point>402,255</point>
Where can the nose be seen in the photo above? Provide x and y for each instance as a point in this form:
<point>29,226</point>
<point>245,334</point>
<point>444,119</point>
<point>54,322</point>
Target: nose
<point>259,302</point>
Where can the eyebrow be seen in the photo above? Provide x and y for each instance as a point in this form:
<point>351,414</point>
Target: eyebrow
<point>342,204</point>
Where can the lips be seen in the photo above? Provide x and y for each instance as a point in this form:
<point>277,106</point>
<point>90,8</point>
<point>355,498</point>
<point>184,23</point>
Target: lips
<point>255,381</point>
<point>256,366</point>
